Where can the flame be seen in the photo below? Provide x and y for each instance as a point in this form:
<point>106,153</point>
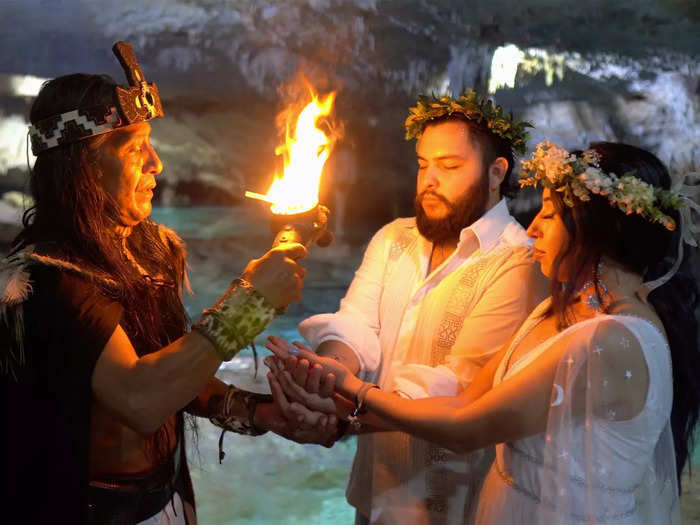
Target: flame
<point>305,151</point>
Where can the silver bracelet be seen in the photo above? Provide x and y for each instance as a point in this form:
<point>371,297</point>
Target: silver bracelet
<point>360,407</point>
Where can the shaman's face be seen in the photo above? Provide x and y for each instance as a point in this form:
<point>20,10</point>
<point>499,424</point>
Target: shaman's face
<point>551,237</point>
<point>129,166</point>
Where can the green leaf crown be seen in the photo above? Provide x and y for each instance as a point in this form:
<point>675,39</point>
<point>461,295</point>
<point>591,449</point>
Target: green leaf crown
<point>480,110</point>
<point>579,177</point>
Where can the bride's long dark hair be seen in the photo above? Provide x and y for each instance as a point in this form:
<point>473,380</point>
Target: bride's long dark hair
<point>598,229</point>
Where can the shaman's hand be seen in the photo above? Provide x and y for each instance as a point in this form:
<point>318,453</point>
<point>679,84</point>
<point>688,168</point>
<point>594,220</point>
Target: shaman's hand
<point>277,275</point>
<point>296,422</point>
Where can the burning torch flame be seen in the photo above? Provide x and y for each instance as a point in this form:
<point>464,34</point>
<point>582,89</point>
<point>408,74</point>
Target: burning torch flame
<point>305,151</point>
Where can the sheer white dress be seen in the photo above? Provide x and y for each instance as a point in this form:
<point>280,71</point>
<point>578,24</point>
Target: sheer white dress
<point>594,463</point>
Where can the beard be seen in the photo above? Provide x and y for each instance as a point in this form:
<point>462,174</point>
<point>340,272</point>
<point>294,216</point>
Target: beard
<point>461,213</point>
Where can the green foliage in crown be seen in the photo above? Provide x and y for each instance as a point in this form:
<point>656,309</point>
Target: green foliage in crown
<point>480,110</point>
<point>580,176</point>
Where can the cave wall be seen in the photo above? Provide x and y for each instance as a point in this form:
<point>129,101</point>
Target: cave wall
<point>600,71</point>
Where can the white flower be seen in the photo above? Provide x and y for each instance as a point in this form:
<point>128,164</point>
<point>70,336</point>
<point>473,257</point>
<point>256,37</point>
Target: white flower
<point>581,176</point>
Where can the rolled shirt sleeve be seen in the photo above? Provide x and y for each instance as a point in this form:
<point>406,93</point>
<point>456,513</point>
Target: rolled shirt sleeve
<point>357,322</point>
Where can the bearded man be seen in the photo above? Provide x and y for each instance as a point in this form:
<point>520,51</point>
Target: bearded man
<point>435,297</point>
<point>98,366</point>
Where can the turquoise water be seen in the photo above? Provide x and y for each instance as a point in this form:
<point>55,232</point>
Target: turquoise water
<point>267,479</point>
<point>212,222</point>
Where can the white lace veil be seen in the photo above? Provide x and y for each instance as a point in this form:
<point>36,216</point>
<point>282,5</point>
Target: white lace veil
<point>605,460</point>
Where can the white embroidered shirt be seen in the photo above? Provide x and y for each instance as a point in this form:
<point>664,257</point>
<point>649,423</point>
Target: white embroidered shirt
<point>427,335</point>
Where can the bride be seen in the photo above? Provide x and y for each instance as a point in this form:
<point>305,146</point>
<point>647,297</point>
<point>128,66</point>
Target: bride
<point>592,403</point>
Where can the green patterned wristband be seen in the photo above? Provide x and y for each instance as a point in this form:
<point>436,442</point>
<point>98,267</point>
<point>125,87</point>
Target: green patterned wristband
<point>235,319</point>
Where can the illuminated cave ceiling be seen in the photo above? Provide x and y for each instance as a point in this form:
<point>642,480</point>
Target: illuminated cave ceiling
<point>621,70</point>
<point>403,45</point>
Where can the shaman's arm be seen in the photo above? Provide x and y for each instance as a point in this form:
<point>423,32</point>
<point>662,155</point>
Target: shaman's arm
<point>232,409</point>
<point>145,391</point>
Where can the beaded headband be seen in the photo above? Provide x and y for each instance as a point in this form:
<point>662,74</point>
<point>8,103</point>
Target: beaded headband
<point>137,103</point>
<point>480,110</point>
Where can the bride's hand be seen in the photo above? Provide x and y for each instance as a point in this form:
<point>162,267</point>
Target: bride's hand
<point>313,372</point>
<point>310,396</point>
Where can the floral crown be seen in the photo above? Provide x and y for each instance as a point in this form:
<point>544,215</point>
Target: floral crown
<point>579,176</point>
<point>482,111</point>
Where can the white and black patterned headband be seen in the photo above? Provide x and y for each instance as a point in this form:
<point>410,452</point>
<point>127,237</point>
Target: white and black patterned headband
<point>137,103</point>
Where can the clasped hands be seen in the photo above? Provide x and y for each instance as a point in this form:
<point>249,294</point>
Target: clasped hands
<point>312,390</point>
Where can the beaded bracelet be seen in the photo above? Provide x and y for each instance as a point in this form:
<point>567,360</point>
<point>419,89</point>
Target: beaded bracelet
<point>241,425</point>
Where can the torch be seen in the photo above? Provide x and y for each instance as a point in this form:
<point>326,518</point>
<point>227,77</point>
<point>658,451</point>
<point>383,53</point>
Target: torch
<point>296,213</point>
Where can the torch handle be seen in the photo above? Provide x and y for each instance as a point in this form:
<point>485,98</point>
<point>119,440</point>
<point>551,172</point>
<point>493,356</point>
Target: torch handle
<point>288,234</point>
<point>305,228</point>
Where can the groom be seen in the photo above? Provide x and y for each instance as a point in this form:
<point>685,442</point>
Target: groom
<point>434,298</point>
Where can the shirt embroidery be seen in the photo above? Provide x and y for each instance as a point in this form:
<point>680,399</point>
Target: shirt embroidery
<point>458,307</point>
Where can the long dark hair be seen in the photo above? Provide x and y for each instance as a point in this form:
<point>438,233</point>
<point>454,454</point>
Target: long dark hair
<point>598,229</point>
<point>74,219</point>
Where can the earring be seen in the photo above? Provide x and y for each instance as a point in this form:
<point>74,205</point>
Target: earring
<point>595,295</point>
<point>594,292</point>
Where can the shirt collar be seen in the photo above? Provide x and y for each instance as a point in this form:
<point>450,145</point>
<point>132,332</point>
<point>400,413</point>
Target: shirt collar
<point>489,228</point>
